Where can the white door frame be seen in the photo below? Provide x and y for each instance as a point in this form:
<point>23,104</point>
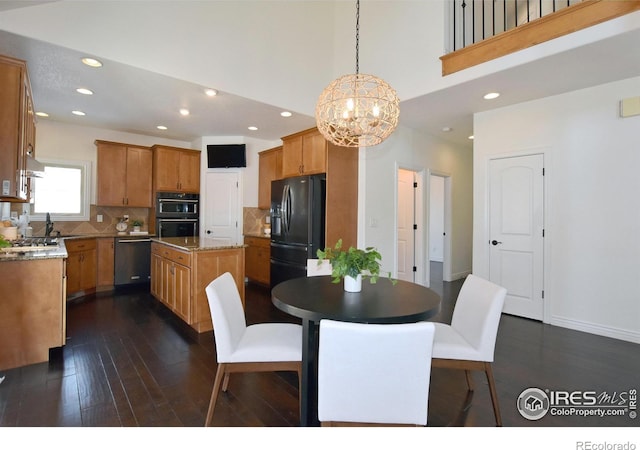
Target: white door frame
<point>239,213</point>
<point>446,251</point>
<point>421,236</point>
<point>546,183</point>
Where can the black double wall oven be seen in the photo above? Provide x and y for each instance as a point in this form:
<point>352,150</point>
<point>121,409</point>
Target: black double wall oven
<point>177,214</point>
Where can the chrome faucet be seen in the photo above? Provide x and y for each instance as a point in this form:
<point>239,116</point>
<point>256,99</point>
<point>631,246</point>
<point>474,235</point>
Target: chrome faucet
<point>48,226</point>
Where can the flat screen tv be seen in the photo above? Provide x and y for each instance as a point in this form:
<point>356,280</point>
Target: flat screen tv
<point>226,155</point>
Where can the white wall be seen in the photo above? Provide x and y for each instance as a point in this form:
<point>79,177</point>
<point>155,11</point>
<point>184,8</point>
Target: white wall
<point>249,174</point>
<point>70,142</point>
<point>378,181</point>
<point>436,219</point>
<point>592,224</point>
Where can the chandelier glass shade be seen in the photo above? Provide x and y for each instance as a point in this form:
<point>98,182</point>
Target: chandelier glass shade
<point>357,110</point>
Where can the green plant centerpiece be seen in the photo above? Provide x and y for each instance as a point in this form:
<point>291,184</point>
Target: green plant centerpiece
<point>355,263</point>
<point>137,223</point>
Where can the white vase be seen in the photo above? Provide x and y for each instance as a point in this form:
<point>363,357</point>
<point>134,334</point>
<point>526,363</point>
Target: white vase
<point>353,284</point>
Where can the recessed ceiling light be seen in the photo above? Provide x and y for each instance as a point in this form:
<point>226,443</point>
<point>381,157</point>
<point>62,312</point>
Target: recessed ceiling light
<point>211,92</point>
<point>84,91</point>
<point>446,129</point>
<point>491,95</point>
<point>161,127</point>
<point>285,114</point>
<point>91,62</point>
<point>78,113</point>
<point>184,111</point>
<point>252,128</point>
<point>42,114</point>
<point>471,137</point>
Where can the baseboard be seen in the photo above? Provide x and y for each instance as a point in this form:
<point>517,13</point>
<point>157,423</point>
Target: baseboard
<point>593,328</point>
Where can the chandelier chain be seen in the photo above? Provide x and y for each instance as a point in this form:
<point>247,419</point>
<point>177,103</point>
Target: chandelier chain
<point>357,36</point>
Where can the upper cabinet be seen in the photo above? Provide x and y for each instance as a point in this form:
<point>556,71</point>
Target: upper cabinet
<point>304,153</point>
<point>17,129</point>
<point>270,168</point>
<point>308,152</point>
<point>176,169</point>
<point>124,175</point>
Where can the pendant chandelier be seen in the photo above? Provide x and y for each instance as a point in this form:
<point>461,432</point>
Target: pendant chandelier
<point>357,110</point>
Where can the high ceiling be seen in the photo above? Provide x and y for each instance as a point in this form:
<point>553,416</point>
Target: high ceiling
<point>56,72</point>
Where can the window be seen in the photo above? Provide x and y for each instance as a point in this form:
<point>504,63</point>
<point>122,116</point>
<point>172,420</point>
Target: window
<point>63,191</point>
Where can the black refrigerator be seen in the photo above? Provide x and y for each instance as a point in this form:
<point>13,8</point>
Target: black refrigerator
<point>297,224</point>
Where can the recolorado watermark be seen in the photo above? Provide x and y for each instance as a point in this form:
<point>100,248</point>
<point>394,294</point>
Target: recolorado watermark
<point>589,445</point>
<point>535,403</point>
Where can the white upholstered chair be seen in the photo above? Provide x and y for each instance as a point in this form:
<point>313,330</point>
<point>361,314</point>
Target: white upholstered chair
<point>316,268</point>
<point>469,342</point>
<point>374,373</point>
<point>261,347</point>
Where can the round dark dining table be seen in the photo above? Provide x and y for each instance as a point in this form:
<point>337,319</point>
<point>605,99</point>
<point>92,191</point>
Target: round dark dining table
<point>315,298</point>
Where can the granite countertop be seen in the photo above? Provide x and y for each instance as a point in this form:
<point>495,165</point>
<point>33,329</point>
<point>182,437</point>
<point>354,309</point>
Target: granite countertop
<point>52,252</point>
<point>195,244</point>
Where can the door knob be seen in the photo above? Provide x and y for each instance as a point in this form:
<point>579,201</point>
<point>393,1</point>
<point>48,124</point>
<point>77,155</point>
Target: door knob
<point>494,242</point>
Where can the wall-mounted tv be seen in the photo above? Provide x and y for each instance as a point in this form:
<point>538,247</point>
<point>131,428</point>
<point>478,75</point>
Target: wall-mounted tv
<point>226,155</point>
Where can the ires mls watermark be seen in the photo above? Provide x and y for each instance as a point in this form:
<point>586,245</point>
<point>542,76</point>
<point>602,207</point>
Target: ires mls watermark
<point>535,403</point>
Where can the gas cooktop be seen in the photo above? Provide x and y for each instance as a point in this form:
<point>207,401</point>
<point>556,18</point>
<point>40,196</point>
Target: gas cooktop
<point>35,242</point>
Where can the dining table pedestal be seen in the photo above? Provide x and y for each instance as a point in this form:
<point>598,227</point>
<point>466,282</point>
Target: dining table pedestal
<point>315,298</point>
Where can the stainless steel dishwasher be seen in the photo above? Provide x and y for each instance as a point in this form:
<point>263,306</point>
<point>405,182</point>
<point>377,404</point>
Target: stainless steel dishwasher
<point>132,261</point>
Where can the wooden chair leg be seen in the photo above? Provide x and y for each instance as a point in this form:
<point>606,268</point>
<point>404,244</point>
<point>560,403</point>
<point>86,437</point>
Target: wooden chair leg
<point>225,383</point>
<point>494,394</point>
<point>469,377</point>
<point>220,373</point>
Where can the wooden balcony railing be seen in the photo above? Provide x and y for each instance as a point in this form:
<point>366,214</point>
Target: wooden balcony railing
<point>559,23</point>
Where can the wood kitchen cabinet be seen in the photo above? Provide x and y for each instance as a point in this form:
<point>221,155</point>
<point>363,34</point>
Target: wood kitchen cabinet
<point>171,278</point>
<point>124,175</point>
<point>179,277</point>
<point>106,259</point>
<point>258,259</point>
<point>176,169</point>
<point>17,129</point>
<point>32,311</point>
<point>269,169</point>
<point>304,153</point>
<point>308,152</point>
<point>81,266</point>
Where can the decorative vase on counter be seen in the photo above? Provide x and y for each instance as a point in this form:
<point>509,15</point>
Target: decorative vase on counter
<point>353,284</point>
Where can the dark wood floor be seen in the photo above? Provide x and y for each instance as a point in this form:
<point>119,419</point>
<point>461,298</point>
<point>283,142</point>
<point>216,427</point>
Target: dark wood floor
<point>129,362</point>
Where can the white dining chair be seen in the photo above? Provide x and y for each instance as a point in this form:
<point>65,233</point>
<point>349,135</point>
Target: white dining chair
<point>469,342</point>
<point>316,268</point>
<point>264,347</point>
<point>374,373</point>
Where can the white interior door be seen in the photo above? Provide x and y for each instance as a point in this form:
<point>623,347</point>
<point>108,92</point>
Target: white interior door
<point>516,203</point>
<point>222,207</point>
<point>406,220</point>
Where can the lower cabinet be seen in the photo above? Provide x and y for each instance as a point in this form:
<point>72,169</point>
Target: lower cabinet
<point>106,255</point>
<point>258,257</point>
<point>81,266</point>
<point>171,279</point>
<point>179,278</point>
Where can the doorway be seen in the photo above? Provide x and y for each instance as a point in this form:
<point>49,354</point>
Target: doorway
<point>222,212</point>
<point>410,225</point>
<point>516,232</point>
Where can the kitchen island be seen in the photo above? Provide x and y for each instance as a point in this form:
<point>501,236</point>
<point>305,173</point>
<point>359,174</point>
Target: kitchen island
<point>181,269</point>
<point>32,304</point>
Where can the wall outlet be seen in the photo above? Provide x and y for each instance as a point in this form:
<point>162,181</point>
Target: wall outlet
<point>99,218</point>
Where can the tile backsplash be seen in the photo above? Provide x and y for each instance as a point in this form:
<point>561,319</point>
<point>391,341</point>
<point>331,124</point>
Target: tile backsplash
<point>254,220</point>
<point>110,217</point>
